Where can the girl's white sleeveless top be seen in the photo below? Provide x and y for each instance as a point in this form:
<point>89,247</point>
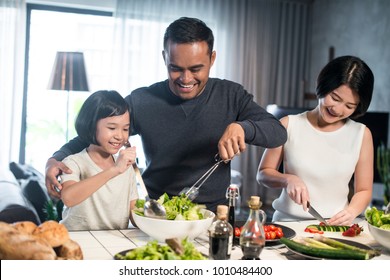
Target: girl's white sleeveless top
<point>325,161</point>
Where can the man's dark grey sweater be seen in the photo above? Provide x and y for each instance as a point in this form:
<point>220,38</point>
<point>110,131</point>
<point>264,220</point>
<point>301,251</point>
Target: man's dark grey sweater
<point>180,137</point>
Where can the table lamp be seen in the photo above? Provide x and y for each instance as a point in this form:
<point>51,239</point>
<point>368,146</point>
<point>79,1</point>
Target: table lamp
<point>68,74</point>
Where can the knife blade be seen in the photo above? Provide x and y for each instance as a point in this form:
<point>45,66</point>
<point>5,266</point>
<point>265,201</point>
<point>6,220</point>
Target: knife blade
<point>315,214</point>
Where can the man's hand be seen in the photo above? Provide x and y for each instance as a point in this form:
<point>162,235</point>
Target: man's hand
<point>232,142</point>
<point>54,168</point>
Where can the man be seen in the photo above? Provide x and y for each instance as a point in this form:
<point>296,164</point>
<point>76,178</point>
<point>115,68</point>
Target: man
<point>188,119</point>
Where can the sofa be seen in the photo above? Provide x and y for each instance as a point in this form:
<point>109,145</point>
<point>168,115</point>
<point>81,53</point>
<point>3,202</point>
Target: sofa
<point>24,197</point>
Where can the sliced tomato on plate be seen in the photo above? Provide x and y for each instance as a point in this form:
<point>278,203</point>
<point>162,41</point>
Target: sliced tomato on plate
<point>313,230</point>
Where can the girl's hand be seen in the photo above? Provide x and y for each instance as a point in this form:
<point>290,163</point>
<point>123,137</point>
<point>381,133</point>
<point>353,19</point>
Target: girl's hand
<point>297,191</point>
<point>125,159</point>
<point>342,218</point>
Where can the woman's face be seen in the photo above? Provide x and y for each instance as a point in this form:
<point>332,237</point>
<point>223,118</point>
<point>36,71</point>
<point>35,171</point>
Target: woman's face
<point>113,132</point>
<point>338,105</point>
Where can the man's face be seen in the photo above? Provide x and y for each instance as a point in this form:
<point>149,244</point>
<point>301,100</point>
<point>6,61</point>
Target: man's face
<point>188,68</point>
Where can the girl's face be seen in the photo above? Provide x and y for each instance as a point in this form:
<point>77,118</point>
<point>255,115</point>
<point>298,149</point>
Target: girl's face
<point>338,105</point>
<point>113,132</point>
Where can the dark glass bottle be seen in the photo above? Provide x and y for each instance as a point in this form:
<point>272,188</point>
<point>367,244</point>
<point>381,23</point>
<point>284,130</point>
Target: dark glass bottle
<point>220,236</point>
<point>252,238</point>
<point>232,194</point>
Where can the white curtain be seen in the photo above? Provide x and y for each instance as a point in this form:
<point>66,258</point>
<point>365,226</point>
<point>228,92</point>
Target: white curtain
<point>12,43</point>
<point>261,44</point>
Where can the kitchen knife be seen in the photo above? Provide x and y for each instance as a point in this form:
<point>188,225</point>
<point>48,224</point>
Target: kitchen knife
<point>315,214</point>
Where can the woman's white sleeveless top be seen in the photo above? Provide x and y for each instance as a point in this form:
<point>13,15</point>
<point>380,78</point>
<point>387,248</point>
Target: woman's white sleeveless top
<point>325,161</point>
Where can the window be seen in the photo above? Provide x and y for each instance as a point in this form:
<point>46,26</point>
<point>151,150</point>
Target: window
<point>61,29</point>
<point>52,29</point>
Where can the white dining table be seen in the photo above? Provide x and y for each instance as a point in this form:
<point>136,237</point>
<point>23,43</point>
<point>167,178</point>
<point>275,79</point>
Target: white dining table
<point>104,244</point>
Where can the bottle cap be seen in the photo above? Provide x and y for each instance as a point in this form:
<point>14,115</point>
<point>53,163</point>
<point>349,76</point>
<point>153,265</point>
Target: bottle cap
<point>255,202</point>
<point>233,191</point>
<point>222,211</point>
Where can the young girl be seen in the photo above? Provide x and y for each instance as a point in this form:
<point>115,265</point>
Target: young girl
<point>325,148</point>
<point>101,190</point>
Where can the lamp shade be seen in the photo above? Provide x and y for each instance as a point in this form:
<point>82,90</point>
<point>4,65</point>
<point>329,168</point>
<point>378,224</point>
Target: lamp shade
<point>68,72</point>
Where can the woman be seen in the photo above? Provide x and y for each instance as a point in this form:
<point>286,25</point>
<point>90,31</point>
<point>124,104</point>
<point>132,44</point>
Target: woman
<point>325,148</point>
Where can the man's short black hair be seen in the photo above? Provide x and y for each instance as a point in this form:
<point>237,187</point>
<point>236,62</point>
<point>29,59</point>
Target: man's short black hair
<point>189,30</point>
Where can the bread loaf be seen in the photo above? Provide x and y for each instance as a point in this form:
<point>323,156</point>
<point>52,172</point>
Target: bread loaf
<point>70,250</point>
<point>25,227</point>
<point>5,227</point>
<point>53,232</point>
<point>15,245</point>
<point>27,241</point>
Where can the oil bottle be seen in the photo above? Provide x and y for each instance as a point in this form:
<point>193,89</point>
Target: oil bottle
<point>252,238</point>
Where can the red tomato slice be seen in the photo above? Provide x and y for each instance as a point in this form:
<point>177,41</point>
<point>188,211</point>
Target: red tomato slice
<point>313,230</point>
<point>279,233</point>
<point>272,227</point>
<point>237,232</point>
<point>272,234</point>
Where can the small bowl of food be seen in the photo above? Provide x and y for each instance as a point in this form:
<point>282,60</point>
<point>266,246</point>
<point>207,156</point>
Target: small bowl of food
<point>185,219</point>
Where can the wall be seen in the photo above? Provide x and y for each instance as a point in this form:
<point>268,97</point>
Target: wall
<point>355,27</point>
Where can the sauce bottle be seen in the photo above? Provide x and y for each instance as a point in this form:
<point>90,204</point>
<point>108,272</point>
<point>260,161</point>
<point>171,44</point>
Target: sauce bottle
<point>220,236</point>
<point>232,194</point>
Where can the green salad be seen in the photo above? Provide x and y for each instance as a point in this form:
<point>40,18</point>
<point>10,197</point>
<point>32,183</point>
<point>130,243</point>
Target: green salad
<point>177,207</point>
<point>377,218</point>
<point>155,251</point>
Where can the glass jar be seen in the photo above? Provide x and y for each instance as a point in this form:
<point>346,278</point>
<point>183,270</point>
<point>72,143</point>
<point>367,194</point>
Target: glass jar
<point>252,238</point>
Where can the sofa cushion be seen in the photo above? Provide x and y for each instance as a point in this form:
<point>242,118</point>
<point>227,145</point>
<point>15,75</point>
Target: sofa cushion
<point>7,176</point>
<point>24,171</point>
<point>11,195</point>
<point>35,191</point>
<point>17,213</point>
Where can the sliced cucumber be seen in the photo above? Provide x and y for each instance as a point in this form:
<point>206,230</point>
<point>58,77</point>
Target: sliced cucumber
<point>329,228</point>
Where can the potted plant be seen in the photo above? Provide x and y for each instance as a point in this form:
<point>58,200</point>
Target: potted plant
<point>383,166</point>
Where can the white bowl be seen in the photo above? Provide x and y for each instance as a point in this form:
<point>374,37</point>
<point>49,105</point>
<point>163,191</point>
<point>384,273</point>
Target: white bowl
<point>163,229</point>
<point>382,236</point>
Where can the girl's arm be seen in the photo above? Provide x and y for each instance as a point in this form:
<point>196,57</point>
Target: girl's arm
<point>74,192</point>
